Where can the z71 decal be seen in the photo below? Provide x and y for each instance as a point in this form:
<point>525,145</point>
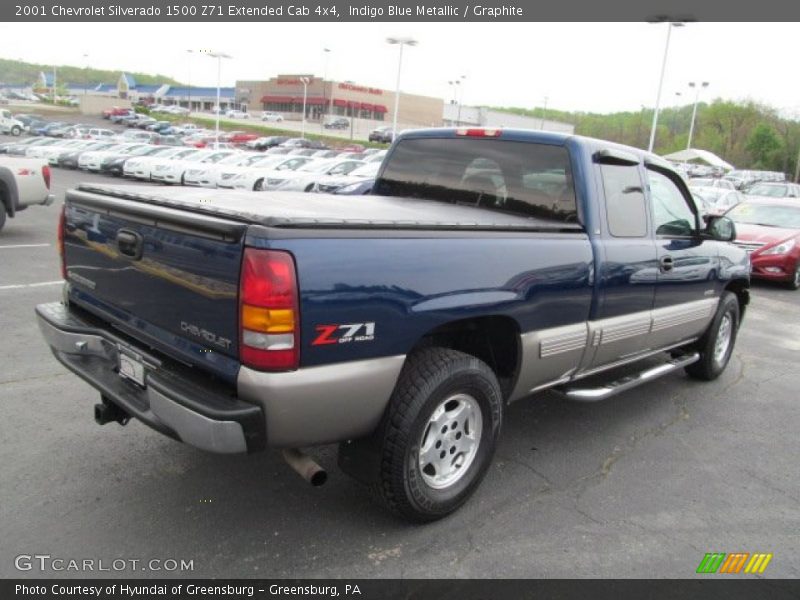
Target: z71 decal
<point>344,334</point>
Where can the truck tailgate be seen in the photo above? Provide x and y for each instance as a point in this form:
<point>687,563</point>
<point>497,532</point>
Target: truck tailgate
<point>164,276</point>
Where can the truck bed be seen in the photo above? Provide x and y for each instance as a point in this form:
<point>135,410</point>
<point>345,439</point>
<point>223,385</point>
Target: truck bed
<point>304,210</point>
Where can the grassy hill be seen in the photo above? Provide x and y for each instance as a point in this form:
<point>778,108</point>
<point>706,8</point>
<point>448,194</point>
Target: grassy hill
<point>16,72</point>
<point>747,134</point>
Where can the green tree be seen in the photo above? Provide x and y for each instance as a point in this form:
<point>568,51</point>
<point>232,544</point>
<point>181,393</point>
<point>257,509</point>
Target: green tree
<point>764,145</point>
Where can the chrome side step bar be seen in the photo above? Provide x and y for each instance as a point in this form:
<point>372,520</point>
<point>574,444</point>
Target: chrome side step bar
<point>580,394</point>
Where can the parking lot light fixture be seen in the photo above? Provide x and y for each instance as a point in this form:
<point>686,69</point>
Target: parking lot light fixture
<point>400,41</point>
<point>661,84</point>
<point>219,56</point>
<point>697,88</point>
<point>305,81</point>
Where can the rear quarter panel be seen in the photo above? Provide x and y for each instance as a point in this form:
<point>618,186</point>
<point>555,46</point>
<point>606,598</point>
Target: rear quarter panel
<point>408,286</point>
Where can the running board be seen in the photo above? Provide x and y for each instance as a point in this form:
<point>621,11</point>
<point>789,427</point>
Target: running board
<point>626,383</point>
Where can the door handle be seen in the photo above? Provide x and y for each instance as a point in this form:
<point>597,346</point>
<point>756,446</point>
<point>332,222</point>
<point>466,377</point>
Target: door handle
<point>130,244</point>
<point>667,263</point>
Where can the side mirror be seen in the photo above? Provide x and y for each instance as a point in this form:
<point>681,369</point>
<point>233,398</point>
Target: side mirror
<point>721,228</point>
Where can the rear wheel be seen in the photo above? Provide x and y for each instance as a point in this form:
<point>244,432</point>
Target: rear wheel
<point>258,186</point>
<point>794,283</point>
<point>439,434</point>
<point>716,346</point>
<point>15,130</point>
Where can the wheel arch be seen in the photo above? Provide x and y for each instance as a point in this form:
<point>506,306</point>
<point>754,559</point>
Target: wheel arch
<point>494,339</point>
<point>740,287</point>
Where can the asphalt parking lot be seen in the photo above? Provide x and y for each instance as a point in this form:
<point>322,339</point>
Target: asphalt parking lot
<point>641,485</point>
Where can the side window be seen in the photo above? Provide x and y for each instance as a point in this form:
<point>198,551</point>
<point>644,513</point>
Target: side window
<point>625,205</point>
<point>671,213</point>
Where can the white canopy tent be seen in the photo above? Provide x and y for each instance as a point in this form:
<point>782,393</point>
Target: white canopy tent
<point>693,154</point>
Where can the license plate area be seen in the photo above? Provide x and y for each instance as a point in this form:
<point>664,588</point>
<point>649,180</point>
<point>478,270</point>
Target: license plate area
<point>131,366</point>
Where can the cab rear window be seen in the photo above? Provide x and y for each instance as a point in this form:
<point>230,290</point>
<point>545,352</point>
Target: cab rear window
<point>525,179</point>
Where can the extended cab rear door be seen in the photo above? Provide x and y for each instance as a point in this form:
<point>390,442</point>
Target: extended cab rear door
<point>628,268</point>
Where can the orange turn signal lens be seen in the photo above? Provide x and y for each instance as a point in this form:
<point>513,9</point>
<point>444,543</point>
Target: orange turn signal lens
<point>267,320</point>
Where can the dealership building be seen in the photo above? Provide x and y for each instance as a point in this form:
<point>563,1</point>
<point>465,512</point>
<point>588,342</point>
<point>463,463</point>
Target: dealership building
<point>284,94</point>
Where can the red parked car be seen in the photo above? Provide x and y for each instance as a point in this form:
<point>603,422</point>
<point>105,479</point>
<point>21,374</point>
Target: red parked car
<point>770,231</point>
<point>115,111</point>
<point>240,137</point>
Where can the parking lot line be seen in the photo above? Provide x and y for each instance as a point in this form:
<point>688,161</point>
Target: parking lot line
<point>20,286</point>
<point>12,246</point>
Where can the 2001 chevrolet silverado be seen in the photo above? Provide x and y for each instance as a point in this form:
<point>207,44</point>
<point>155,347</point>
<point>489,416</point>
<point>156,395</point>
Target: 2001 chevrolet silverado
<point>486,266</point>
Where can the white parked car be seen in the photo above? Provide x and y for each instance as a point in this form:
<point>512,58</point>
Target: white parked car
<point>304,178</point>
<point>228,173</point>
<point>8,124</point>
<point>140,167</point>
<point>205,175</point>
<point>271,116</point>
<point>173,171</point>
<point>258,176</point>
<point>176,110</point>
<point>332,183</point>
<point>376,157</point>
<point>91,161</point>
<point>43,151</point>
<point>97,133</point>
<point>237,114</point>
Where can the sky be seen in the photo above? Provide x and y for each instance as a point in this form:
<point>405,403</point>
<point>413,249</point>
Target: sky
<point>592,67</point>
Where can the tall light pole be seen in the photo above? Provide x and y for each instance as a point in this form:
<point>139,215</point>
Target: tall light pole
<point>189,80</point>
<point>456,86</point>
<point>85,73</point>
<point>305,81</point>
<point>461,96</point>
<point>219,56</point>
<point>327,52</point>
<point>702,85</point>
<point>660,85</point>
<point>400,41</point>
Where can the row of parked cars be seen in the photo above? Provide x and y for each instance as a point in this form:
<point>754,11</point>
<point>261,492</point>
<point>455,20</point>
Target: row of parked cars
<point>767,217</point>
<point>289,165</point>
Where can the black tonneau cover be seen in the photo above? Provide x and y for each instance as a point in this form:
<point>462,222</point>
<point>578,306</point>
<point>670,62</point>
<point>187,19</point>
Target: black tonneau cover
<point>305,210</point>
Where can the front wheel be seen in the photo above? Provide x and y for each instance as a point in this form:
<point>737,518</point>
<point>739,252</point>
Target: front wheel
<point>716,346</point>
<point>258,186</point>
<point>15,131</point>
<point>439,434</point>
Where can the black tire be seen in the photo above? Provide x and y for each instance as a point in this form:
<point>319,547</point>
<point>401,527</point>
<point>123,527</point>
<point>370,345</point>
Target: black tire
<point>2,215</point>
<point>712,364</point>
<point>309,187</point>
<point>15,130</point>
<point>430,379</point>
<point>794,283</point>
<point>258,186</point>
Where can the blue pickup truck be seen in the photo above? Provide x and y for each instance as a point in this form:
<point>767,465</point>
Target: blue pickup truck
<point>485,266</point>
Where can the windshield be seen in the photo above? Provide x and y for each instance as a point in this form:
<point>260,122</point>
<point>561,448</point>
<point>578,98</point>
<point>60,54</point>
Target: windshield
<point>268,162</point>
<point>709,194</point>
<point>773,191</point>
<point>370,170</point>
<point>777,215</point>
<point>525,179</point>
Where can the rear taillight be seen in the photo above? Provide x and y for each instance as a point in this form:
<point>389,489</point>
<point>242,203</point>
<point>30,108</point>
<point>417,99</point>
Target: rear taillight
<point>269,317</point>
<point>62,225</point>
<point>46,175</point>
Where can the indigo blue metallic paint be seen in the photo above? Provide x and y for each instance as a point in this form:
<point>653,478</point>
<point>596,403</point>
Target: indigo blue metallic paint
<point>180,278</point>
<point>411,286</point>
